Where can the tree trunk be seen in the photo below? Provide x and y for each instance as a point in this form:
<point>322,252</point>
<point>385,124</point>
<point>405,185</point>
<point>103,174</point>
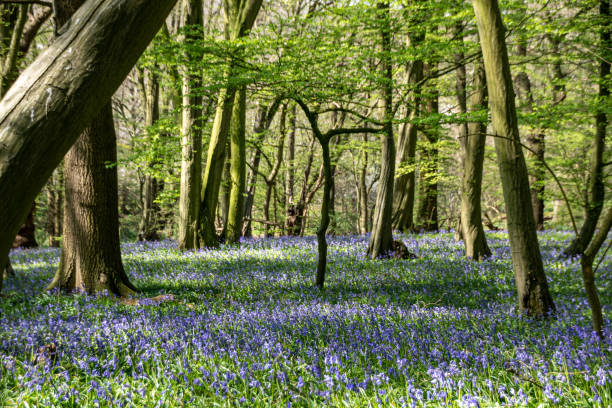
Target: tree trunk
<point>325,202</point>
<point>429,171</point>
<point>405,183</point>
<point>191,135</point>
<point>55,207</point>
<point>225,197</point>
<point>588,274</point>
<point>237,168</point>
<point>15,18</point>
<point>596,190</point>
<point>473,157</point>
<point>271,179</point>
<point>290,188</point>
<point>46,109</point>
<point>363,190</point>
<point>26,236</point>
<point>149,217</point>
<point>533,295</point>
<point>381,240</point>
<point>240,16</point>
<point>91,255</point>
<point>535,141</point>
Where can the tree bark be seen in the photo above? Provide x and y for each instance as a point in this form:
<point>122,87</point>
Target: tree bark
<point>191,136</point>
<point>55,207</point>
<point>596,190</point>
<point>237,168</point>
<point>381,240</point>
<point>271,178</point>
<point>46,109</point>
<point>91,255</point>
<point>473,157</point>
<point>532,287</point>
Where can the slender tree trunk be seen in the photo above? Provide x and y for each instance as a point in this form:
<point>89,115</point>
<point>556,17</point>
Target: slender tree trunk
<point>271,179</point>
<point>91,256</point>
<point>149,217</point>
<point>588,273</point>
<point>363,189</point>
<point>238,168</point>
<point>16,17</point>
<point>225,197</point>
<point>429,171</point>
<point>533,295</point>
<point>42,115</point>
<point>381,240</point>
<point>535,141</point>
<point>473,157</point>
<point>191,135</point>
<point>596,190</point>
<point>240,16</point>
<point>325,203</point>
<point>290,189</point>
<point>405,184</point>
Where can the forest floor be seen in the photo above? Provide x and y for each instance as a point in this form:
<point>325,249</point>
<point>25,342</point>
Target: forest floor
<point>247,327</point>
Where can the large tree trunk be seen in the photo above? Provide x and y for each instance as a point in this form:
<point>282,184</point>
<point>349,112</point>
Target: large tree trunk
<point>240,17</point>
<point>381,240</point>
<point>596,190</point>
<point>191,138</point>
<point>149,217</point>
<point>533,295</point>
<point>473,157</point>
<point>91,255</point>
<point>46,109</point>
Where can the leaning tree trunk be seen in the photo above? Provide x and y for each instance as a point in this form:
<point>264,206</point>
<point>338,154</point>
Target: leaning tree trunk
<point>91,256</point>
<point>588,273</point>
<point>240,17</point>
<point>381,240</point>
<point>44,112</point>
<point>596,191</point>
<point>473,157</point>
<point>533,295</point>
<point>191,135</point>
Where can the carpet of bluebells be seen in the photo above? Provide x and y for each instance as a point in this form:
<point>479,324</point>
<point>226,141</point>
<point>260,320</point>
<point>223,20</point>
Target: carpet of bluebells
<point>248,328</point>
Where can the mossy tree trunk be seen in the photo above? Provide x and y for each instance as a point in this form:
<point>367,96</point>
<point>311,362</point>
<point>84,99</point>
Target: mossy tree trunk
<point>237,168</point>
<point>240,17</point>
<point>533,294</point>
<point>191,134</point>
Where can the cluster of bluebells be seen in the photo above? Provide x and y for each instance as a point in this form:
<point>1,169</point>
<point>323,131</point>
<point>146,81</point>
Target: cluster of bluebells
<point>247,327</point>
